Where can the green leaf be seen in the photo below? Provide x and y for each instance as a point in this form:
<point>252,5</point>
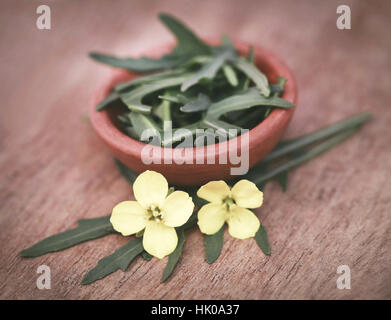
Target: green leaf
<point>179,99</point>
<point>213,245</point>
<point>188,46</point>
<point>298,143</point>
<point>221,127</point>
<point>141,122</point>
<point>129,85</point>
<point>283,180</point>
<point>230,74</point>
<point>133,99</point>
<point>278,88</point>
<point>143,64</point>
<point>188,42</point>
<point>174,257</point>
<point>87,229</point>
<point>254,74</point>
<point>202,102</point>
<point>120,259</point>
<point>209,70</point>
<point>262,240</point>
<point>146,256</point>
<point>246,100</point>
<point>111,100</point>
<point>263,176</point>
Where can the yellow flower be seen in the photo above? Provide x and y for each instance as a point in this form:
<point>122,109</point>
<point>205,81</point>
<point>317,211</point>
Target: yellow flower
<point>229,205</point>
<point>154,212</point>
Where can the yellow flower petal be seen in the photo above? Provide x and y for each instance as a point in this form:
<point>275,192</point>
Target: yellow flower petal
<point>159,240</point>
<point>247,195</point>
<point>211,218</point>
<point>242,223</point>
<point>128,217</point>
<point>149,188</point>
<point>177,209</point>
<point>214,191</point>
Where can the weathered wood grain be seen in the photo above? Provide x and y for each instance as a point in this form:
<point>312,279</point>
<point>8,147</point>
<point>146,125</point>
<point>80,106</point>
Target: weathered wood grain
<point>54,170</point>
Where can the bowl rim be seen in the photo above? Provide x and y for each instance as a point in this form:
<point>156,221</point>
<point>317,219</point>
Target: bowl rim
<point>119,141</point>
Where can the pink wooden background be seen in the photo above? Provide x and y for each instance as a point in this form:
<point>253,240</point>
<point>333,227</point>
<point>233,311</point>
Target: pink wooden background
<point>54,170</point>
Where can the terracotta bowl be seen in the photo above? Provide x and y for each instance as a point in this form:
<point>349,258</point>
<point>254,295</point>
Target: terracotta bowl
<point>262,138</point>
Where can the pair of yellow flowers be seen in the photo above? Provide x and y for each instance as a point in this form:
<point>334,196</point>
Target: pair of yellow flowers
<point>157,214</point>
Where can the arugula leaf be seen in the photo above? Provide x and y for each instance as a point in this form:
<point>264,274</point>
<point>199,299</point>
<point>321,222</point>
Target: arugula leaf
<point>262,240</point>
<point>188,46</point>
<point>129,85</point>
<point>209,70</point>
<point>174,257</point>
<point>143,64</point>
<point>248,99</point>
<point>87,229</point>
<point>221,127</point>
<point>120,259</point>
<point>254,74</point>
<point>289,146</point>
<point>109,101</point>
<point>188,42</point>
<point>283,180</point>
<point>213,245</point>
<point>202,102</point>
<point>230,74</point>
<point>263,176</point>
<point>146,256</point>
<point>179,98</point>
<point>142,122</point>
<point>133,99</point>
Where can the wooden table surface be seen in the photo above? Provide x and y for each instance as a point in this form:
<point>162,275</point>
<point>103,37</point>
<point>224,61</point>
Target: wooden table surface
<point>54,169</point>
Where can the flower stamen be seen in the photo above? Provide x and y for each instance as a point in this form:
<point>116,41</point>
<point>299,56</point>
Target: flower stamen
<point>154,213</point>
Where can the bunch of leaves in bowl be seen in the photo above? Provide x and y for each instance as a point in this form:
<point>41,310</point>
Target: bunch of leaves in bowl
<point>196,86</point>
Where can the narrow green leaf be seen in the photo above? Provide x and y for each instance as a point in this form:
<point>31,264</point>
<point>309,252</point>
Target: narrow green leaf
<point>129,85</point>
<point>283,180</point>
<point>179,98</point>
<point>254,74</point>
<point>111,100</point>
<point>87,229</point>
<point>295,144</point>
<point>180,134</point>
<point>141,122</point>
<point>213,245</point>
<point>209,70</point>
<point>250,59</point>
<point>248,99</point>
<point>264,176</point>
<point>262,240</point>
<point>174,257</point>
<point>188,47</point>
<point>120,259</point>
<point>146,256</point>
<point>133,98</point>
<point>221,127</point>
<point>143,64</point>
<point>188,42</point>
<point>202,102</point>
<point>230,74</point>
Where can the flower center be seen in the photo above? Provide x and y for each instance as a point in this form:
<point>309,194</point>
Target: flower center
<point>154,213</point>
<point>229,202</point>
